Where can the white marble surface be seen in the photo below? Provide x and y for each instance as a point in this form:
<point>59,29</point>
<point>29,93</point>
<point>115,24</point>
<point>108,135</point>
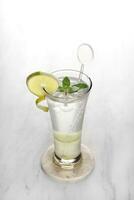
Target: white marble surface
<point>41,35</point>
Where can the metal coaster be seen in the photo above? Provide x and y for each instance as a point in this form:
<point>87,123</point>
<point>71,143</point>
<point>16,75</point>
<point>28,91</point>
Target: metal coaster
<point>79,172</point>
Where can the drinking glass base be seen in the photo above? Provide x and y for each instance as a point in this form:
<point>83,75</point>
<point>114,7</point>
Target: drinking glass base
<point>79,171</point>
<point>66,164</point>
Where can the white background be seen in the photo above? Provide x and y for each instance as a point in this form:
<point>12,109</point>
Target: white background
<point>44,35</point>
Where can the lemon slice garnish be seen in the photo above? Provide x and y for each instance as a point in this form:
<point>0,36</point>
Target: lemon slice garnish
<point>39,80</point>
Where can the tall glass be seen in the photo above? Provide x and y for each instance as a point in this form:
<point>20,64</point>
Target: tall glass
<point>67,113</point>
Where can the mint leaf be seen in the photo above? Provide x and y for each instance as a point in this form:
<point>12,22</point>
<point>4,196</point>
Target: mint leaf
<point>73,89</point>
<point>68,88</point>
<point>81,85</point>
<point>66,83</point>
<point>60,89</point>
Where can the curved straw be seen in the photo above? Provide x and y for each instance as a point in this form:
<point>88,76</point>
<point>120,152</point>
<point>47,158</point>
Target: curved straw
<point>80,61</point>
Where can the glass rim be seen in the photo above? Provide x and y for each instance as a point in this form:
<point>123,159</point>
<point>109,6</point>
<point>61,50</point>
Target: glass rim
<point>81,95</point>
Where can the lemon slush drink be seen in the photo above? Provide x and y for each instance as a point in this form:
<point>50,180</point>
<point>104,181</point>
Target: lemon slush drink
<point>67,113</point>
